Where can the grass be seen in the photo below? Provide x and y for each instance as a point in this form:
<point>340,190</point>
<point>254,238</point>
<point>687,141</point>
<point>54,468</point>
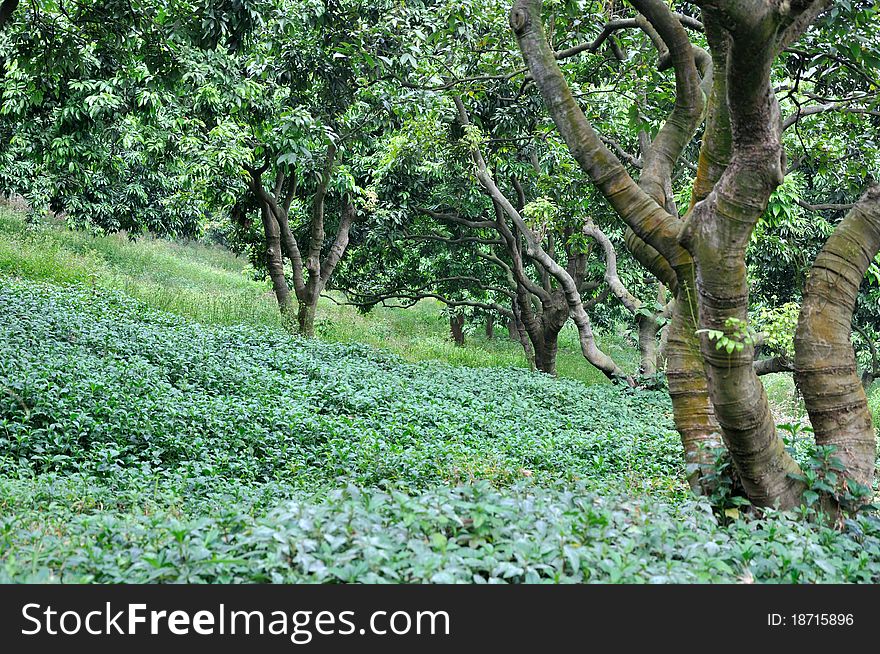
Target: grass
<point>788,406</point>
<point>201,282</point>
<point>422,333</point>
<point>211,285</point>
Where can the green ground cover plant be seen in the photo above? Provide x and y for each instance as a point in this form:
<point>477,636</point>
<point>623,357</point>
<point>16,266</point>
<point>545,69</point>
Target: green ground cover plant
<point>142,446</point>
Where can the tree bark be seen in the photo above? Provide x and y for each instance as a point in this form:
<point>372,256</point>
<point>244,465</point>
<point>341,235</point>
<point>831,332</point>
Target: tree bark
<point>825,362</point>
<point>692,410</point>
<point>456,328</point>
<point>305,317</point>
<point>717,233</point>
<point>648,328</point>
<point>274,260</point>
<point>551,349</point>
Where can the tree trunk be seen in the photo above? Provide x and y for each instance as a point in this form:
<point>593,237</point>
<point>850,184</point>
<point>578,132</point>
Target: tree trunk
<point>717,237</point>
<point>490,327</point>
<point>513,329</point>
<point>305,317</point>
<point>825,362</point>
<point>692,410</point>
<point>274,260</point>
<point>743,145</point>
<point>662,363</point>
<point>648,328</point>
<point>546,362</point>
<point>456,327</point>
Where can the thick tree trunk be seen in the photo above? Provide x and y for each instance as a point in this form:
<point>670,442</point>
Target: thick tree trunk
<point>305,316</point>
<point>717,233</point>
<point>545,356</point>
<point>550,350</point>
<point>741,163</point>
<point>456,328</point>
<point>825,363</point>
<point>692,410</point>
<point>541,362</point>
<point>717,239</point>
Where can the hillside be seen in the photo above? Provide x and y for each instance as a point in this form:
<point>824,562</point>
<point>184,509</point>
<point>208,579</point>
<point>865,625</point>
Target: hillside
<point>159,424</point>
<point>211,285</point>
<point>142,446</point>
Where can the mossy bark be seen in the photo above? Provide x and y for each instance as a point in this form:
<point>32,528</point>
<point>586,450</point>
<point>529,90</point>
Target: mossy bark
<point>825,363</point>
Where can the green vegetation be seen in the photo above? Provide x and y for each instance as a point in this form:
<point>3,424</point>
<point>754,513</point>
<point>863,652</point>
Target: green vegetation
<point>211,285</point>
<point>205,283</point>
<point>96,381</point>
<point>143,446</point>
<point>665,209</point>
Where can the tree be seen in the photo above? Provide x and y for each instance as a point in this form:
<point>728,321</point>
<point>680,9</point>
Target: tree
<point>305,135</point>
<point>90,127</point>
<point>526,162</point>
<point>465,212</point>
<point>741,163</point>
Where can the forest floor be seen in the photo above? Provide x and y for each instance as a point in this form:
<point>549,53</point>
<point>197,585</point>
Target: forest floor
<point>157,423</point>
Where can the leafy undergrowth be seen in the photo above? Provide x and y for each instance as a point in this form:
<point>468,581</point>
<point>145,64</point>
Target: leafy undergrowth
<point>100,384</point>
<point>136,445</point>
<point>471,534</point>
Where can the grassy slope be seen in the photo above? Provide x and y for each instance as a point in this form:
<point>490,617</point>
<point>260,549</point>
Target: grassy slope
<point>137,446</point>
<point>210,285</point>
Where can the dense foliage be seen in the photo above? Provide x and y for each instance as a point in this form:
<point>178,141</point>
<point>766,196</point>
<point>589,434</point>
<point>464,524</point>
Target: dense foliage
<point>139,446</point>
<point>97,384</point>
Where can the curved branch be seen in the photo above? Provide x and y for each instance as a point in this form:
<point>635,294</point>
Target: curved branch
<point>631,302</point>
<point>812,110</point>
<point>575,304</point>
<point>775,364</point>
<point>328,265</point>
<point>824,207</point>
<point>679,128</point>
<point>636,207</point>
